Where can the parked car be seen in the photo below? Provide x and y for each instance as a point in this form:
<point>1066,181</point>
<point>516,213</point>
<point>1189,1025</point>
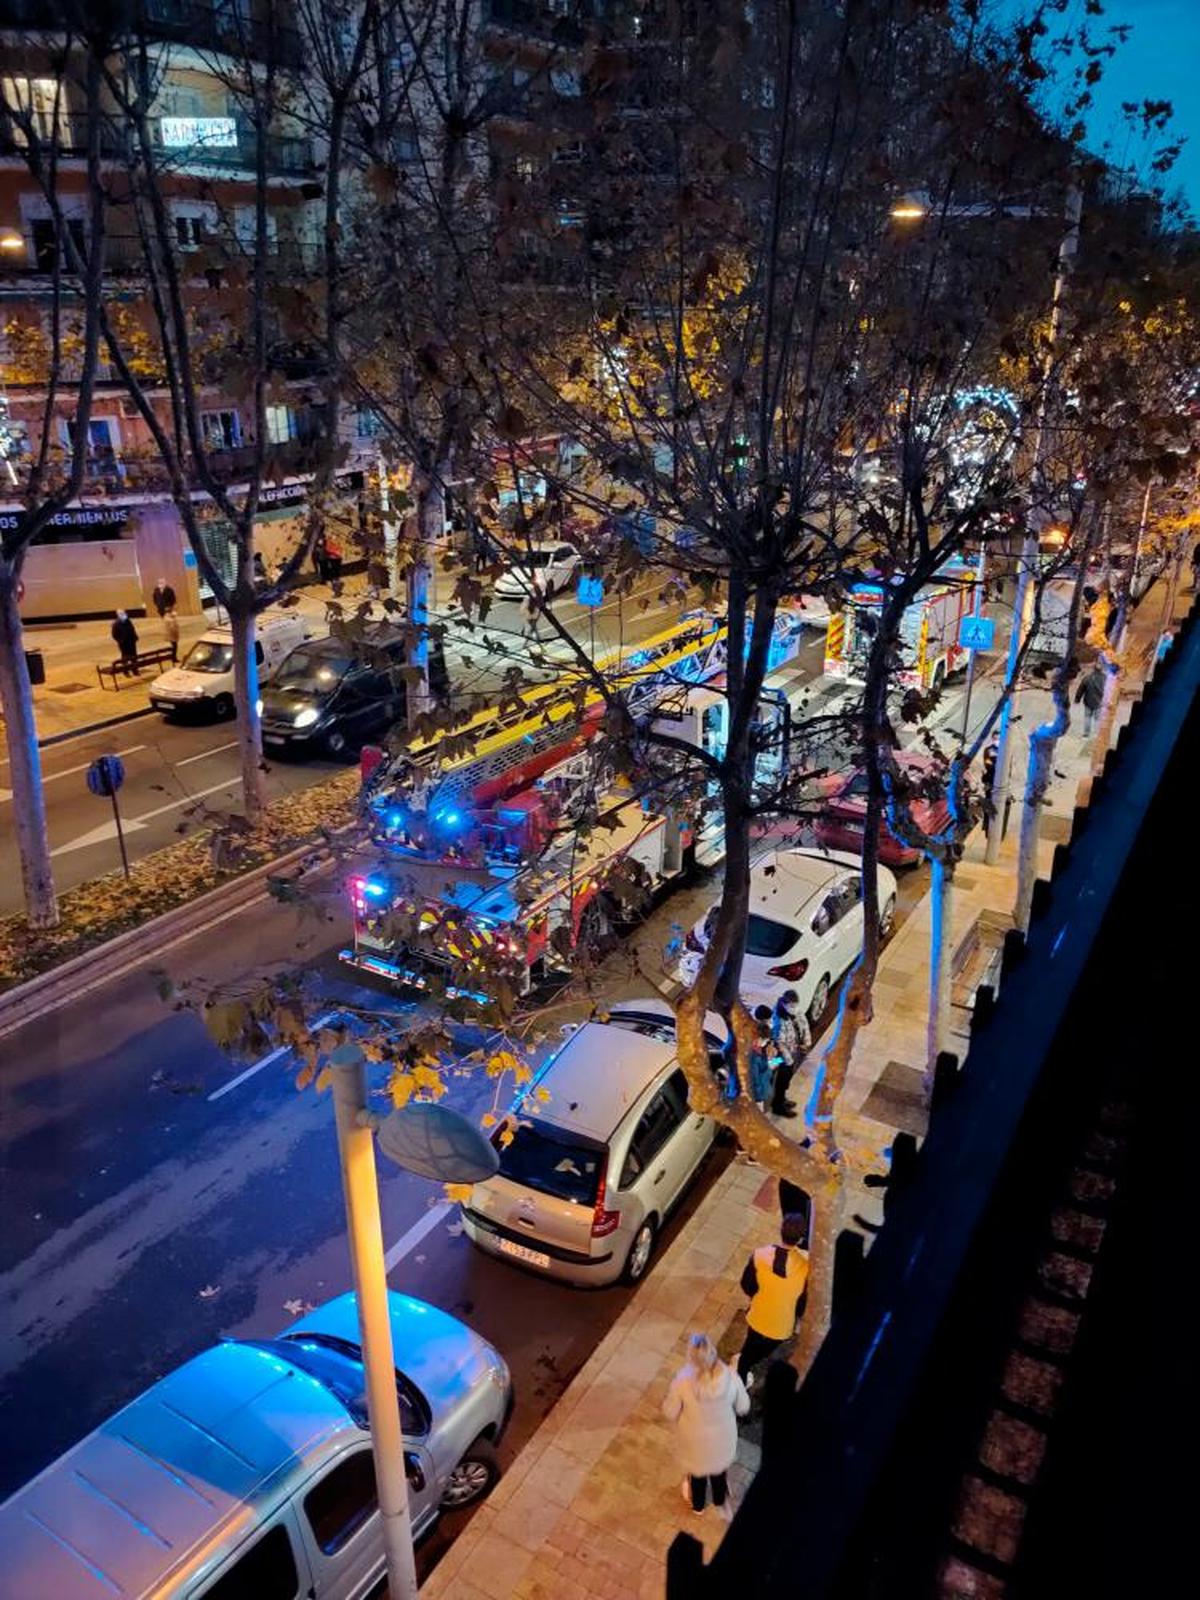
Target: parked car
<point>248,1470</point>
<point>203,682</point>
<point>602,1146</point>
<point>840,824</point>
<point>334,695</point>
<point>547,568</point>
<point>805,927</point>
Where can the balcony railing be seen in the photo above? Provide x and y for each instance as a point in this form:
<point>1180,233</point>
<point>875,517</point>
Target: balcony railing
<point>225,143</point>
<point>202,24</point>
<point>68,134</point>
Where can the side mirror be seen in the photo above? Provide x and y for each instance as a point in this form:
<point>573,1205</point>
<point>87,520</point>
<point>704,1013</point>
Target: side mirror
<point>412,1470</point>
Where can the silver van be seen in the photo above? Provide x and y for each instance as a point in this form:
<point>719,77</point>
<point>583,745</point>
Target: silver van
<point>602,1146</point>
<point>246,1474</point>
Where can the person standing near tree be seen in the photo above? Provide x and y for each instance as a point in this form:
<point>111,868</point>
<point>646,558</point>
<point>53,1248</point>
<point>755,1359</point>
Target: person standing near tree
<point>1090,694</point>
<point>171,629</point>
<point>793,1040</point>
<point>163,597</point>
<point>704,1402</point>
<point>776,1279</point>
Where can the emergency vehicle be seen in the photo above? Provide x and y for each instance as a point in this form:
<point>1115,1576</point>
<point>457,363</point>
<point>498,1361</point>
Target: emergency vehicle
<point>928,630</point>
<point>530,845</point>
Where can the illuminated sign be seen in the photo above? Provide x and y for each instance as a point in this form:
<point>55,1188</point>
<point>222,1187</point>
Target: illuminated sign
<point>214,133</point>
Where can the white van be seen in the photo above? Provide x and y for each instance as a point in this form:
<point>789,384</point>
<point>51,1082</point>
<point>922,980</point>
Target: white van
<point>204,680</point>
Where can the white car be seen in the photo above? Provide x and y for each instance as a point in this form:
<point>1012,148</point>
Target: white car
<point>548,568</point>
<point>805,928</point>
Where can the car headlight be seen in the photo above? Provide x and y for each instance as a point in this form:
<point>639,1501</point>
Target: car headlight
<point>305,718</point>
<point>258,707</point>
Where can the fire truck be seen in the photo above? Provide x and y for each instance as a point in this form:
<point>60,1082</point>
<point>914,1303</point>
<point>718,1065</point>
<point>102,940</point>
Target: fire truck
<point>528,845</point>
<point>928,630</point>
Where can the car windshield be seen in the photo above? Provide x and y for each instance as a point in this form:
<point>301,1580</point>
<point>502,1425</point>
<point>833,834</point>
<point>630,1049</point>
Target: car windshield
<point>337,1365</point>
<point>534,558</point>
<point>767,938</point>
<point>552,1162</point>
<point>208,656</point>
<point>312,671</point>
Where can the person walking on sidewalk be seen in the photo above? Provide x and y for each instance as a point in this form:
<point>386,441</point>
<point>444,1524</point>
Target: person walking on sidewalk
<point>704,1402</point>
<point>125,638</point>
<point>793,1040</point>
<point>171,629</point>
<point>163,597</point>
<point>531,617</point>
<point>776,1279</point>
<point>1090,693</point>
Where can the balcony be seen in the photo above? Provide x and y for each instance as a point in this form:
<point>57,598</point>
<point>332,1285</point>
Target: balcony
<point>228,145</point>
<point>223,28</point>
<point>69,135</point>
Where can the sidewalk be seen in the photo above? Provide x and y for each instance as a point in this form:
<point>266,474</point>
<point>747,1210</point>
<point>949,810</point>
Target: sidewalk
<point>592,1503</point>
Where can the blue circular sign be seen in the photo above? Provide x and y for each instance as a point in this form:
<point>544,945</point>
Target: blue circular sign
<point>106,775</point>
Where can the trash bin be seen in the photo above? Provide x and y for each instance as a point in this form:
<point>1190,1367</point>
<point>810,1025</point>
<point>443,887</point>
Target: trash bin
<point>35,665</point>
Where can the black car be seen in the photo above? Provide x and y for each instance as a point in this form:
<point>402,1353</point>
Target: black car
<point>333,695</point>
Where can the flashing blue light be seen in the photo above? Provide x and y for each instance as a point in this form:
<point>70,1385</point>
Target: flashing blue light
<point>395,819</point>
<point>374,888</point>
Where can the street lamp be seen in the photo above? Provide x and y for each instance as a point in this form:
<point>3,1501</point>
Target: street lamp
<point>11,240</point>
<point>438,1143</point>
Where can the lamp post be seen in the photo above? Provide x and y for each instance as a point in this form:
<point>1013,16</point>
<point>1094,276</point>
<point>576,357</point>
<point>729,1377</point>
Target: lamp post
<point>1023,604</point>
<point>438,1143</point>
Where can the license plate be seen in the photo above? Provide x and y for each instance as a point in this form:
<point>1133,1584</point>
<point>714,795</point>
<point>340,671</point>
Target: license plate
<point>536,1258</point>
<point>274,738</point>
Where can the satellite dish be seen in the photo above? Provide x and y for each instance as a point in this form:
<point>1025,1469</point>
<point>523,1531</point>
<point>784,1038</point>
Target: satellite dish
<point>436,1142</point>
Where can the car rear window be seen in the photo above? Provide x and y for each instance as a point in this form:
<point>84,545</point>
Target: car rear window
<point>552,1162</point>
<point>767,938</point>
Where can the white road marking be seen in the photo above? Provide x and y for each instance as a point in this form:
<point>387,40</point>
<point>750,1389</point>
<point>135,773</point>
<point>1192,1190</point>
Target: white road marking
<point>108,830</point>
<point>409,1241</point>
<point>271,1055</point>
<point>49,777</point>
<point>204,754</point>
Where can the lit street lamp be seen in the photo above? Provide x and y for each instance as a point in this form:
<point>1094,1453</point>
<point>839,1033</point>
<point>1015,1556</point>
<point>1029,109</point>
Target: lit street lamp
<point>438,1143</point>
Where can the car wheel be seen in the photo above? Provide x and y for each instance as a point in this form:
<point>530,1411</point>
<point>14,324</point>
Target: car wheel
<point>475,1476</point>
<point>640,1252</point>
<point>335,742</point>
<point>820,1000</point>
<point>887,918</point>
<point>224,707</point>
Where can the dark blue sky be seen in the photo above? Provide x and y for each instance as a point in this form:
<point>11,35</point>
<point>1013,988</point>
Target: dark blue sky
<point>1160,61</point>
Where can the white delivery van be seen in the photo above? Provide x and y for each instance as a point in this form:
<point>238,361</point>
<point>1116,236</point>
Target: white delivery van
<point>203,682</point>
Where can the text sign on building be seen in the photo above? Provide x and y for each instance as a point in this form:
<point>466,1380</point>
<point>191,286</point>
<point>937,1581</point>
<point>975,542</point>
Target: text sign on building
<point>215,133</point>
<point>977,633</point>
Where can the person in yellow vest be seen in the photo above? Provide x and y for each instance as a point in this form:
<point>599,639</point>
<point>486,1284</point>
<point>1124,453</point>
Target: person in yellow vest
<point>776,1279</point>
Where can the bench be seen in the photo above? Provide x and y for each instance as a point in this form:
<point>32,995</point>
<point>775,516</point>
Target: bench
<point>162,655</point>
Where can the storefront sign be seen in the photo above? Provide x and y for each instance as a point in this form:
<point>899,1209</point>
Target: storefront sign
<point>111,518</point>
<point>295,494</point>
<point>217,133</point>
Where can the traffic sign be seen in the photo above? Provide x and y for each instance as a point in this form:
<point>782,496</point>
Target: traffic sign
<point>590,591</point>
<point>977,633</point>
<point>104,777</point>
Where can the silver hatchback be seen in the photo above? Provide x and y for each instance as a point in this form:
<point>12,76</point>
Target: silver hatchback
<point>603,1145</point>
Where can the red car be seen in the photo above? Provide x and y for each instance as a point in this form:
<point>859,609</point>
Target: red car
<point>844,803</point>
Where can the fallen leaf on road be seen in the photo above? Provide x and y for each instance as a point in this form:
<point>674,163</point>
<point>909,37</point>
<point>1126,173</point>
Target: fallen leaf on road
<point>420,1260</point>
<point>297,1308</point>
<point>209,1290</point>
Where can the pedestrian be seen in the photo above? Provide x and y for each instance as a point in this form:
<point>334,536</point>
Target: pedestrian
<point>531,615</point>
<point>260,571</point>
<point>318,556</point>
<point>1090,694</point>
<point>775,1278</point>
<point>481,545</point>
<point>793,1040</point>
<point>125,638</point>
<point>171,629</point>
<point>163,597</point>
<point>333,559</point>
<point>704,1402</point>
<point>762,1059</point>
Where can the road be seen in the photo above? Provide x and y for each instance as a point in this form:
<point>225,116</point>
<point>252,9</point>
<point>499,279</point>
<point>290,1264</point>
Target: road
<point>176,773</point>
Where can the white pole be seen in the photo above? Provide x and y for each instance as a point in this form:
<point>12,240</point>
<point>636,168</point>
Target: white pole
<point>1023,605</point>
<point>356,1156</point>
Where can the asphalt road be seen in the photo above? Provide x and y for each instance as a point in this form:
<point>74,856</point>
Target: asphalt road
<point>179,773</point>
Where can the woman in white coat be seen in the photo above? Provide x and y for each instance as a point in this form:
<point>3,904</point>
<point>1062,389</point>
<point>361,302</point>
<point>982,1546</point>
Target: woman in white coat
<point>704,1402</point>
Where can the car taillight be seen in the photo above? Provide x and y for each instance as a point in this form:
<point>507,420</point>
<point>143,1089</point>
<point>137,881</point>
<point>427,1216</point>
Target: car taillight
<point>604,1222</point>
<point>693,943</point>
<point>790,969</point>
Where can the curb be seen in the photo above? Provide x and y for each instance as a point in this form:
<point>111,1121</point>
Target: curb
<point>94,968</point>
<point>94,727</point>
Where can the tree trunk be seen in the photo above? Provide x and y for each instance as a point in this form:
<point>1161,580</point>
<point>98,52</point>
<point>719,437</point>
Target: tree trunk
<point>827,1197</point>
<point>249,721</point>
<point>431,524</point>
<point>941,907</point>
<point>25,765</point>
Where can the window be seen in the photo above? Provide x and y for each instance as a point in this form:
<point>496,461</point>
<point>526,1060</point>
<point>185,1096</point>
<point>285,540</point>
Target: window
<point>405,143</point>
<point>766,937</point>
<point>266,1572</point>
<point>41,104</point>
<point>46,242</point>
<point>222,430</point>
<point>658,1122</point>
<point>824,919</point>
<point>281,424</point>
<point>572,150</point>
<point>368,424</point>
<point>342,1501</point>
<point>553,1162</point>
<point>189,232</point>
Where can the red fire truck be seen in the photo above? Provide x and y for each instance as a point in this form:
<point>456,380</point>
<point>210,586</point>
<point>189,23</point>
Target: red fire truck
<point>928,630</point>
